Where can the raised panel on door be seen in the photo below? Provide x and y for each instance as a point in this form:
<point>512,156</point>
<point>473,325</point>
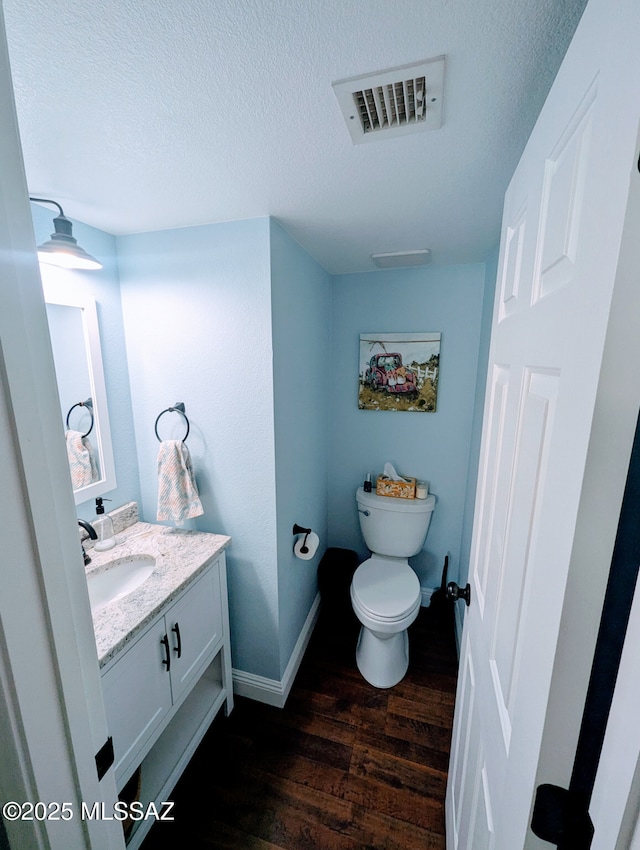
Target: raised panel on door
<point>462,768</point>
<point>535,427</point>
<point>478,832</point>
<point>493,483</point>
<point>565,173</point>
<point>482,815</point>
<point>137,696</point>
<point>511,277</point>
<point>194,625</point>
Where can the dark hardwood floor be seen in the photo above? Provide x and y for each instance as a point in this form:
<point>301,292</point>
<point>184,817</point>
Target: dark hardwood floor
<point>344,766</point>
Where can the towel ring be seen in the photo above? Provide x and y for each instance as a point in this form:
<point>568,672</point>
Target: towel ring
<point>89,405</point>
<point>178,407</point>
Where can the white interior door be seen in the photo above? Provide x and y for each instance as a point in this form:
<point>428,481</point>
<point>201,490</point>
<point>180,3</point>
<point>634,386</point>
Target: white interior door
<point>52,718</point>
<point>563,221</point>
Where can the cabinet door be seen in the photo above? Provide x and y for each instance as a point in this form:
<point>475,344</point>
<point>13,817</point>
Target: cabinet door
<point>194,626</point>
<point>137,696</point>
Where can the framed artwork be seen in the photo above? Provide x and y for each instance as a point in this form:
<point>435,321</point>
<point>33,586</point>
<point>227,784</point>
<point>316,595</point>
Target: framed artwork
<point>399,371</point>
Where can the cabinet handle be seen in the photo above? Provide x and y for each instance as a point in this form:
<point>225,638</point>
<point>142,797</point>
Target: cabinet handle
<point>167,659</point>
<point>178,648</point>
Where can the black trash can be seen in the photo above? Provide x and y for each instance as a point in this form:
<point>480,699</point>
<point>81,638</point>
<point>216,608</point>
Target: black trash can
<point>335,572</point>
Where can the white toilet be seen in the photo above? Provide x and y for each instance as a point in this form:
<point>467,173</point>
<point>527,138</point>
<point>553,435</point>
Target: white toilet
<point>385,591</point>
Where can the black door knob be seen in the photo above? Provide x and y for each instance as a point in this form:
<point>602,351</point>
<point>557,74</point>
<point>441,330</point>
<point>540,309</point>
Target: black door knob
<point>454,592</point>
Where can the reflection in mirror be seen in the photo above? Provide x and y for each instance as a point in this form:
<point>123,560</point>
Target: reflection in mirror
<point>66,329</point>
<point>75,340</point>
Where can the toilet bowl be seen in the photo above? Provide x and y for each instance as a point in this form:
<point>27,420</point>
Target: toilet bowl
<point>385,594</point>
<point>385,591</point>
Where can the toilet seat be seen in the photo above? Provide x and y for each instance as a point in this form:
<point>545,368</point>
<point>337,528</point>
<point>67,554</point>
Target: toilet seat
<point>386,591</point>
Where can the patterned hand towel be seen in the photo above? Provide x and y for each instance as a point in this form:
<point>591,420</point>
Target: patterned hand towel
<point>81,461</point>
<point>178,497</point>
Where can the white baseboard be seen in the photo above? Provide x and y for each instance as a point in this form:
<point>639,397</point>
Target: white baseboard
<point>255,687</point>
<point>274,691</point>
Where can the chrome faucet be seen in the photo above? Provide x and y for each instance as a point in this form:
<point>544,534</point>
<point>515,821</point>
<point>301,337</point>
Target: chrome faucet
<point>92,535</point>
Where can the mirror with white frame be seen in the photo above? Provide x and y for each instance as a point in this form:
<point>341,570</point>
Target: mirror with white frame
<point>75,340</point>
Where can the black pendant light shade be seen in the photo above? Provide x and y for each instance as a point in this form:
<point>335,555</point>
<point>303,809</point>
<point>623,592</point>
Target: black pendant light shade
<point>62,249</point>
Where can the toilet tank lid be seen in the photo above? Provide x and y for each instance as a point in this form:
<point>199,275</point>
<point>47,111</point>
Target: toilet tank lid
<point>391,503</point>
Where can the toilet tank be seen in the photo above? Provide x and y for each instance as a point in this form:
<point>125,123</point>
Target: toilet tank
<point>395,527</point>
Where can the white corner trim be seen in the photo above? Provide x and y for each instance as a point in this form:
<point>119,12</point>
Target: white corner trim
<point>274,691</point>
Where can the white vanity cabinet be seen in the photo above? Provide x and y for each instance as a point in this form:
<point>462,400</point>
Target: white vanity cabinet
<point>163,691</point>
<point>194,632</point>
<point>137,698</point>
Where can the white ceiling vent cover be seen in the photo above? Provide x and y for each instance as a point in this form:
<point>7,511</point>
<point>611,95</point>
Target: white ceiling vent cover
<point>402,259</point>
<point>407,99</point>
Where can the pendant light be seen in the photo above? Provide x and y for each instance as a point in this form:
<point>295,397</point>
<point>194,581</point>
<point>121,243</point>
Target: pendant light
<point>62,249</point>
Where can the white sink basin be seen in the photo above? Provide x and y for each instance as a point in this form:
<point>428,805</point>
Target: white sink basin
<point>118,579</point>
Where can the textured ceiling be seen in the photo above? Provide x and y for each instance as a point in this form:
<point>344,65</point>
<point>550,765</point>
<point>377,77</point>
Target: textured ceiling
<point>140,115</point>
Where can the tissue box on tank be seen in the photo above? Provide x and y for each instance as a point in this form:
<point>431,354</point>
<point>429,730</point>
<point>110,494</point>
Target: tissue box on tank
<point>405,489</point>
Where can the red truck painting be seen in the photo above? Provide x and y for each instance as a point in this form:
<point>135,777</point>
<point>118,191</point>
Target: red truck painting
<point>387,372</point>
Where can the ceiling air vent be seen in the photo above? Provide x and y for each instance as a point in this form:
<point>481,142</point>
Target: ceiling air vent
<point>401,259</point>
<point>407,99</point>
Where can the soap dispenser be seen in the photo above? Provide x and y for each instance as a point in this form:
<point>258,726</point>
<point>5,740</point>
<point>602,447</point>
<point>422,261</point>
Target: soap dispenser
<point>103,525</point>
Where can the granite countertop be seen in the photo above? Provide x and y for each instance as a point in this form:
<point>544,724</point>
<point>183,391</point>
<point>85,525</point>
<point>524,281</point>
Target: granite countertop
<point>180,556</point>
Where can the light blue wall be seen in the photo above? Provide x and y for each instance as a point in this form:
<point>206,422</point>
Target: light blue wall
<point>241,324</point>
<point>104,286</point>
<point>197,309</point>
<point>301,317</point>
<point>430,446</point>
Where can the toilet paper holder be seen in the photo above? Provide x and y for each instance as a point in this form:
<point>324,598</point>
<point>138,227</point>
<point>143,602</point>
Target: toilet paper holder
<point>298,529</point>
